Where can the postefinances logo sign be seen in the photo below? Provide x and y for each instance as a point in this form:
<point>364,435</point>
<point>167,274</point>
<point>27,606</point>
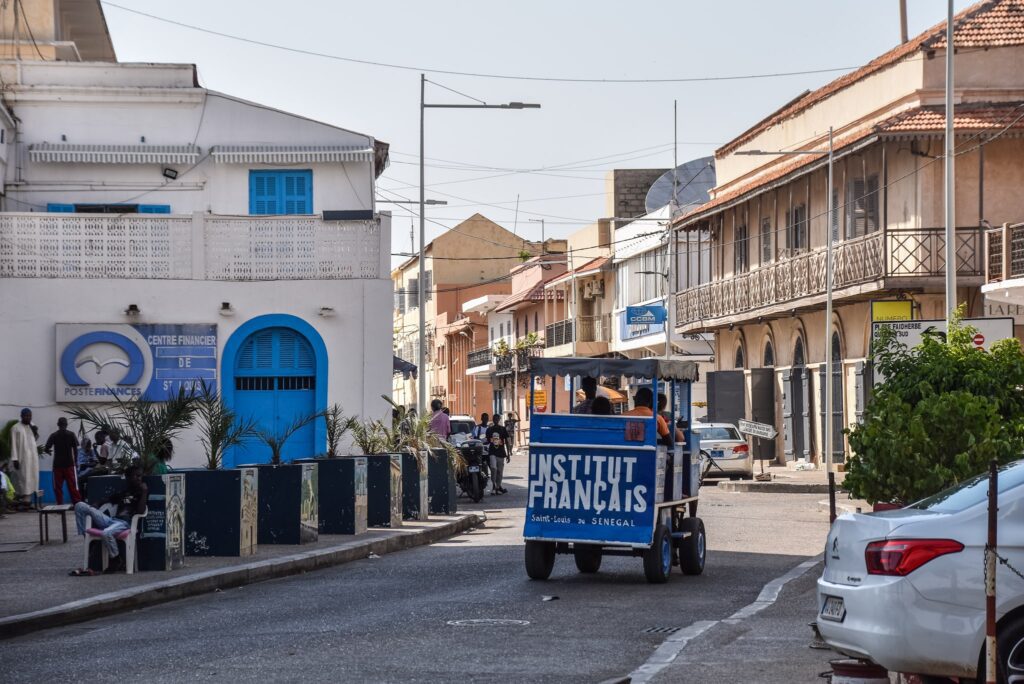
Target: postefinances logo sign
<point>97,362</point>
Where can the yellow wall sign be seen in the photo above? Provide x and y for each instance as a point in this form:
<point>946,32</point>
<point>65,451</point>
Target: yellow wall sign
<point>898,310</point>
<point>540,400</point>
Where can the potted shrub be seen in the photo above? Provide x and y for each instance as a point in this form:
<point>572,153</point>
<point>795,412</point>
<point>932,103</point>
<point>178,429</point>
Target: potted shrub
<point>220,518</point>
<point>341,492</point>
<point>287,492</point>
<point>416,442</point>
<point>383,474</point>
<point>147,429</point>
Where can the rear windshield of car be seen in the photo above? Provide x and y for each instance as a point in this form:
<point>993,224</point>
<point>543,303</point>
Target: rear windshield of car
<point>972,492</point>
<point>717,433</point>
<point>461,427</point>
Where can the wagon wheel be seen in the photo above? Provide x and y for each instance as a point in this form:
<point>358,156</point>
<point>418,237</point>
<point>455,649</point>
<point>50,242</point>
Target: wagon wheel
<point>658,558</point>
<point>693,549</point>
<point>588,557</point>
<point>540,559</point>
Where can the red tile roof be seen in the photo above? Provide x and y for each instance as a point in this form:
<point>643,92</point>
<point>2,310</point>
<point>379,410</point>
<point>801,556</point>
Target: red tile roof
<point>982,116</point>
<point>988,24</point>
<point>534,294</point>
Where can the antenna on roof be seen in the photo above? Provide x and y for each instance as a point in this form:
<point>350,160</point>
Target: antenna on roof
<point>903,21</point>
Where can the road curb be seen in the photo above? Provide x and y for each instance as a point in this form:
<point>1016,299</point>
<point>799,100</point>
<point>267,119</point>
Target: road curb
<point>774,487</point>
<point>843,507</point>
<point>226,578</point>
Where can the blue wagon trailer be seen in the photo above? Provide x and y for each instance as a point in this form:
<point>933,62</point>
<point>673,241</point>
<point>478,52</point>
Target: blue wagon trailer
<point>609,485</point>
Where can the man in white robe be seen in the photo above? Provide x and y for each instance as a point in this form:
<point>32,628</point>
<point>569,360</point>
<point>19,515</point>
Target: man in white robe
<point>24,457</point>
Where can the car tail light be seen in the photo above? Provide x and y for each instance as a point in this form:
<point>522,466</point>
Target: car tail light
<point>902,556</point>
<point>740,449</point>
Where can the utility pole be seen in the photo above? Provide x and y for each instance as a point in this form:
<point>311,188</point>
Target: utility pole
<point>832,226</point>
<point>950,209</point>
<point>673,206</point>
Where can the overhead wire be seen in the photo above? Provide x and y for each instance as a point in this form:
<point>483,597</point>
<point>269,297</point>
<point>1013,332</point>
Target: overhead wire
<point>452,72</point>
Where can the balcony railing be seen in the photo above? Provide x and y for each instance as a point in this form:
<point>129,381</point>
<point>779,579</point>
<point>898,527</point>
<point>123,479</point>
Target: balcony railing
<point>591,329</point>
<point>893,254</point>
<point>517,360</point>
<point>187,247</point>
<point>1005,264</point>
<point>480,357</point>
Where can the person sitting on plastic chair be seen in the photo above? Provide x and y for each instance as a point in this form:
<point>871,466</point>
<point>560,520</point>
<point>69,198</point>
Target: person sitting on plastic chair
<point>132,501</point>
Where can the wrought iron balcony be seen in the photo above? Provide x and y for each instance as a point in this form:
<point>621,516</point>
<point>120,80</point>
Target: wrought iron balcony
<point>1003,263</point>
<point>480,357</point>
<point>591,329</point>
<point>887,259</point>
<point>505,364</point>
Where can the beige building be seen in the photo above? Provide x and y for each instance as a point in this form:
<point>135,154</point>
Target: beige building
<point>465,262</point>
<point>768,221</point>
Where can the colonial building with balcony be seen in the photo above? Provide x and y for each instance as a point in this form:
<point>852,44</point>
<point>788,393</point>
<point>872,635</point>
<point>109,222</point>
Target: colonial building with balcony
<point>586,289</point>
<point>155,234</point>
<point>768,221</point>
<point>475,252</point>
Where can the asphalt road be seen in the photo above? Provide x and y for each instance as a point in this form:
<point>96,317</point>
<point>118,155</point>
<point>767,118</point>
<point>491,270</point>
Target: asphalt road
<point>389,619</point>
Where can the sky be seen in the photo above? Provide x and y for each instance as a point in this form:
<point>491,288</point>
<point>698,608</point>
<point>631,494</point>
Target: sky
<point>552,162</point>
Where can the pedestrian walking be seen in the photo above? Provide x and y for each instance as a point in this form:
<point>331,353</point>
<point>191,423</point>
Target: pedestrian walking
<point>25,458</point>
<point>440,424</point>
<point>480,431</point>
<point>498,451</point>
<point>63,446</point>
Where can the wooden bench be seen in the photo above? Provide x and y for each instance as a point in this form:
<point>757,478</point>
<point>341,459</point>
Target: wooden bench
<point>44,522</point>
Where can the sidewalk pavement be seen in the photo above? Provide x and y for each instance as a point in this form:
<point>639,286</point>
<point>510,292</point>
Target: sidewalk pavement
<point>784,479</point>
<point>56,598</point>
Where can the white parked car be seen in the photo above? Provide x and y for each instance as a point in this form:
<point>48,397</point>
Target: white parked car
<point>727,448</point>
<point>905,588</point>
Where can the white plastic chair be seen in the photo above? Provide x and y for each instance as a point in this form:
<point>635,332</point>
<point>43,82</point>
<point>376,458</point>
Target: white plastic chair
<point>128,536</point>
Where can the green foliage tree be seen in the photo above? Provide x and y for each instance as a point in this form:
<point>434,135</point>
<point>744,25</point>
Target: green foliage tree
<point>943,411</point>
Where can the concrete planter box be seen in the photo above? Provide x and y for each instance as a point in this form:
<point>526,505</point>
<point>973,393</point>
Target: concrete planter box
<point>287,504</point>
<point>161,544</point>
<point>415,498</point>
<point>441,484</point>
<point>221,513</point>
<point>341,494</point>
<point>384,490</point>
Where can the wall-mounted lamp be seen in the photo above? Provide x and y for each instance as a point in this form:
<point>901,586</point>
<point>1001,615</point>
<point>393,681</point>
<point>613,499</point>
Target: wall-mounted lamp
<point>170,174</point>
<point>226,310</point>
<point>142,138</point>
<point>63,137</point>
<point>132,310</point>
<point>326,311</point>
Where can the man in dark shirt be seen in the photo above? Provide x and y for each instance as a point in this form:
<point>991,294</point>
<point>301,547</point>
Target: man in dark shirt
<point>63,446</point>
<point>131,501</point>
<point>497,449</point>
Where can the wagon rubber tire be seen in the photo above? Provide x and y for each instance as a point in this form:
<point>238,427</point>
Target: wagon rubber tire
<point>588,558</point>
<point>658,558</point>
<point>692,549</point>
<point>540,559</point>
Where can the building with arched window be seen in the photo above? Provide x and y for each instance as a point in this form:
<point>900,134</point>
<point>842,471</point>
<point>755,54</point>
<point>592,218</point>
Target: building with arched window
<point>157,235</point>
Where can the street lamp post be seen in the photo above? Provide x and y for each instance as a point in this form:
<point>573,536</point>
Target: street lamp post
<point>830,228</point>
<point>421,294</point>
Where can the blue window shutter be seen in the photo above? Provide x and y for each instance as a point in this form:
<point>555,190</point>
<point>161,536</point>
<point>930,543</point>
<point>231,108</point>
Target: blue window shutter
<point>154,208</point>
<point>280,192</point>
<point>60,208</point>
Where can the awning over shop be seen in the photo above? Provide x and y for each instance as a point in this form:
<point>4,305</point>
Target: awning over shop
<point>289,154</point>
<point>64,153</point>
<point>404,367</point>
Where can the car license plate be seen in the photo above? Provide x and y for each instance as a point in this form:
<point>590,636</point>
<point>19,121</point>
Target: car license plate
<point>474,469</point>
<point>833,609</point>
<point>717,453</point>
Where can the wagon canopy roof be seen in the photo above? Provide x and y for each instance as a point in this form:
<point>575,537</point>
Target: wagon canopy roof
<point>685,371</point>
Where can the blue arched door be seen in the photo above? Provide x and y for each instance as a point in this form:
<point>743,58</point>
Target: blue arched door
<point>275,383</point>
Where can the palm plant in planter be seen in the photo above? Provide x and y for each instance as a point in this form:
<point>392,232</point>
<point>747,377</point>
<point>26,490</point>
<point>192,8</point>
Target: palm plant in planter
<point>145,426</point>
<point>219,427</point>
<point>275,439</point>
<point>337,424</point>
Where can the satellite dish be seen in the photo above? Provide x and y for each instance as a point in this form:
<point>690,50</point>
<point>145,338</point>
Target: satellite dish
<point>694,179</point>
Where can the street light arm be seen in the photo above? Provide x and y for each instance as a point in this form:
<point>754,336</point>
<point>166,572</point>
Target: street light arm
<point>510,105</point>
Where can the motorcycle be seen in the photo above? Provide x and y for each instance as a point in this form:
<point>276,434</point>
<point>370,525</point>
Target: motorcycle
<point>473,480</point>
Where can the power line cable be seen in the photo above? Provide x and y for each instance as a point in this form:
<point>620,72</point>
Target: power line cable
<point>450,72</point>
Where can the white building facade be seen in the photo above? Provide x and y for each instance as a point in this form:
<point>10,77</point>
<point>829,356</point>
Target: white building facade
<point>155,233</point>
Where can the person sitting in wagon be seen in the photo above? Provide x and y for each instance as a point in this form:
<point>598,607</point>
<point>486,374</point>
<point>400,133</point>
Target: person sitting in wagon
<point>643,405</point>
